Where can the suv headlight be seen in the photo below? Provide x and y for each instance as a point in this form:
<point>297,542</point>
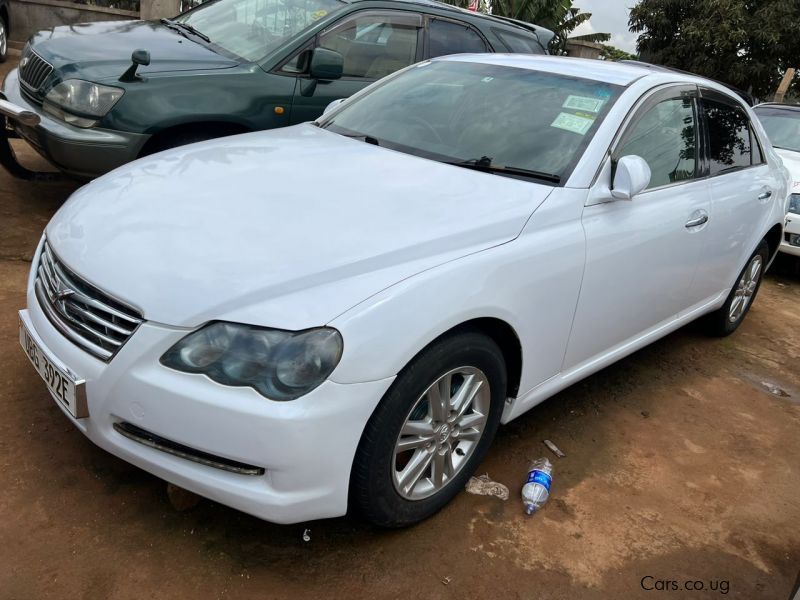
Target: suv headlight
<point>280,365</point>
<point>81,103</point>
<point>794,204</point>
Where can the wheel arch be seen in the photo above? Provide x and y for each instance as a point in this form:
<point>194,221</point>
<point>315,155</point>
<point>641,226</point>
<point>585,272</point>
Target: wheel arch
<point>218,128</point>
<point>773,239</point>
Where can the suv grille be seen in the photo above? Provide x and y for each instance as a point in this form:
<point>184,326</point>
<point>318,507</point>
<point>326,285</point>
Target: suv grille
<point>85,315</point>
<point>33,70</point>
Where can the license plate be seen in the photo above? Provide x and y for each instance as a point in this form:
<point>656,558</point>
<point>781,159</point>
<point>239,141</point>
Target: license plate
<point>64,385</point>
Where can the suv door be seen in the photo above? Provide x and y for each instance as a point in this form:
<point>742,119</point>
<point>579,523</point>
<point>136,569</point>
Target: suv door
<point>642,254</point>
<point>373,43</point>
<point>742,185</point>
<point>448,36</point>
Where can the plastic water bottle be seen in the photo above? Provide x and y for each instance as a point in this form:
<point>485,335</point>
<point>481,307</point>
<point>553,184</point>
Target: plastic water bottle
<point>536,490</point>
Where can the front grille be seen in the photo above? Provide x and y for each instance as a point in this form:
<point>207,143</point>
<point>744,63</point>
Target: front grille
<point>33,70</point>
<point>90,318</point>
<point>137,434</point>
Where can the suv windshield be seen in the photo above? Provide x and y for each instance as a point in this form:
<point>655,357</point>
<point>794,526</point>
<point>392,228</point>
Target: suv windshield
<point>501,119</point>
<point>782,126</point>
<point>251,29</point>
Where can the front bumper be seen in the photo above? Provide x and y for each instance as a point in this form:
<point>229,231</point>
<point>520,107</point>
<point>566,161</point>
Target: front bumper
<point>305,448</point>
<point>790,244</point>
<point>81,153</point>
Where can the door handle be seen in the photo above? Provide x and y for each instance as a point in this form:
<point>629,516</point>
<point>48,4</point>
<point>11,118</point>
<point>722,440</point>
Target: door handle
<point>697,221</point>
<point>765,194</point>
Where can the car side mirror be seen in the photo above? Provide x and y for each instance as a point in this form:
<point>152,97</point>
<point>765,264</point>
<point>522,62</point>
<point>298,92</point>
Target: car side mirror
<point>332,105</point>
<point>326,64</point>
<point>138,58</point>
<point>631,177</point>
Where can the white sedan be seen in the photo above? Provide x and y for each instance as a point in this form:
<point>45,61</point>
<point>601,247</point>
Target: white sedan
<point>782,125</point>
<point>340,314</point>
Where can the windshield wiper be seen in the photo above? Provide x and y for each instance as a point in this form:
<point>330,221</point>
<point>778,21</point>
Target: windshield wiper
<point>180,27</point>
<point>364,138</point>
<point>484,164</point>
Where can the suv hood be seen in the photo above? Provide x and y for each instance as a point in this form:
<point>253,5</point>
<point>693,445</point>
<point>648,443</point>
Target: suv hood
<point>286,228</point>
<point>96,51</point>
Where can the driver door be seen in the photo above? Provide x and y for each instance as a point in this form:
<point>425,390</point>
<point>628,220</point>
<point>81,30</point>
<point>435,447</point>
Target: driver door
<point>373,44</point>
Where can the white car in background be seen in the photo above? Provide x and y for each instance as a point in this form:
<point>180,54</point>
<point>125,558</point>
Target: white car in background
<point>782,124</point>
<point>341,313</point>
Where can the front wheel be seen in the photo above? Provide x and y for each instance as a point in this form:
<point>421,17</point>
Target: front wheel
<point>431,431</point>
<point>727,318</point>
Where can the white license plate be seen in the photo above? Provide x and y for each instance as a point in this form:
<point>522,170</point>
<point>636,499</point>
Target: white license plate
<point>67,388</point>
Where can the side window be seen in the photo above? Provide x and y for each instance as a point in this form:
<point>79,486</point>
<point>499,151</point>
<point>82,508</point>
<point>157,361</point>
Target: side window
<point>375,45</point>
<point>758,156</point>
<point>729,137</point>
<point>666,137</point>
<point>519,43</point>
<point>447,37</point>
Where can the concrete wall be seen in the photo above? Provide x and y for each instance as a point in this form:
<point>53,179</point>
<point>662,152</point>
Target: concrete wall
<point>29,16</point>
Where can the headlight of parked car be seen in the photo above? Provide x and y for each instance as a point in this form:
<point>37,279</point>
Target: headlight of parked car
<point>280,365</point>
<point>794,203</point>
<point>81,103</point>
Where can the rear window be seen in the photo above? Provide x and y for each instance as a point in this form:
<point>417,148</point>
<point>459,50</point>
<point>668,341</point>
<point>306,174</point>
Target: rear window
<point>447,37</point>
<point>519,43</point>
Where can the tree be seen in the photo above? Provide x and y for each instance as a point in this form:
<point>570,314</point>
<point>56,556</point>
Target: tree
<point>613,53</point>
<point>746,43</point>
<point>557,15</point>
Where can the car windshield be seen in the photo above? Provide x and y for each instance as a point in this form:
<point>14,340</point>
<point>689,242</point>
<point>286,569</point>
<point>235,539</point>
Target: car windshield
<point>782,126</point>
<point>496,118</point>
<point>251,29</point>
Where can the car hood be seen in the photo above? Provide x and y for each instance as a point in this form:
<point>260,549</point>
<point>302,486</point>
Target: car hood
<point>287,228</point>
<point>95,51</point>
<point>791,160</point>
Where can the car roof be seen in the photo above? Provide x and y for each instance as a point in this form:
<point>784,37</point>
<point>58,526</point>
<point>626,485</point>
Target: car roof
<point>587,68</point>
<point>778,105</point>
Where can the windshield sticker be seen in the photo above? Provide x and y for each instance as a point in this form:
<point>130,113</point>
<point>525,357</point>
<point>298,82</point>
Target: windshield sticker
<point>583,103</point>
<point>318,14</point>
<point>573,123</point>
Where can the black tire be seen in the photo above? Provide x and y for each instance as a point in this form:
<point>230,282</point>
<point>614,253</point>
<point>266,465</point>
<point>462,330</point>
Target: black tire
<point>372,489</point>
<point>720,323</point>
<point>3,40</point>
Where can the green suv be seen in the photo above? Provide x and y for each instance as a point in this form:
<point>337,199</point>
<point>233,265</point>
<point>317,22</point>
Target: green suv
<point>108,93</point>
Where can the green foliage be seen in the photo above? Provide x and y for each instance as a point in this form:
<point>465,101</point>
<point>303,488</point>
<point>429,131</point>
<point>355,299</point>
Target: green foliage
<point>747,43</point>
<point>613,53</point>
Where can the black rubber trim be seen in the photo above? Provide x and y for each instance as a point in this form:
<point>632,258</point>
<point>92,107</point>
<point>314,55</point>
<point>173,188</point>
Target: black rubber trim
<point>137,434</point>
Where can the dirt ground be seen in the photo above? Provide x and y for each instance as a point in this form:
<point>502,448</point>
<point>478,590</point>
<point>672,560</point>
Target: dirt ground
<point>680,466</point>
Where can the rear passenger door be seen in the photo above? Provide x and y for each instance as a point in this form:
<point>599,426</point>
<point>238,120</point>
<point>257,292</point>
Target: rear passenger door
<point>449,36</point>
<point>742,185</point>
<point>373,43</point>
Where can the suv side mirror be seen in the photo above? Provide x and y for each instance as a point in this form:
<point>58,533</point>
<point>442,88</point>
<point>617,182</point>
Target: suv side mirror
<point>631,177</point>
<point>326,64</point>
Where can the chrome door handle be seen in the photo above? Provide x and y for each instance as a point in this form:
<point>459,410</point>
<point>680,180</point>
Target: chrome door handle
<point>765,195</point>
<point>697,221</point>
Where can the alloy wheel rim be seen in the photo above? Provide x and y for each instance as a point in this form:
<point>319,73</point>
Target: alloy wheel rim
<point>746,289</point>
<point>441,432</point>
<point>3,40</point>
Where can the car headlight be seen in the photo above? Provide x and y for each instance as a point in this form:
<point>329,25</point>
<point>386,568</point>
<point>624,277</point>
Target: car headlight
<point>81,103</point>
<point>794,203</point>
<point>280,365</point>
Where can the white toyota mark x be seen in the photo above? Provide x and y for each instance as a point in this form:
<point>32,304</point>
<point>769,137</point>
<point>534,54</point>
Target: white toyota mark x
<point>341,313</point>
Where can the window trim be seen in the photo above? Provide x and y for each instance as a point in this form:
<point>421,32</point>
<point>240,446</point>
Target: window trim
<point>725,99</point>
<point>650,99</point>
<point>429,18</point>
